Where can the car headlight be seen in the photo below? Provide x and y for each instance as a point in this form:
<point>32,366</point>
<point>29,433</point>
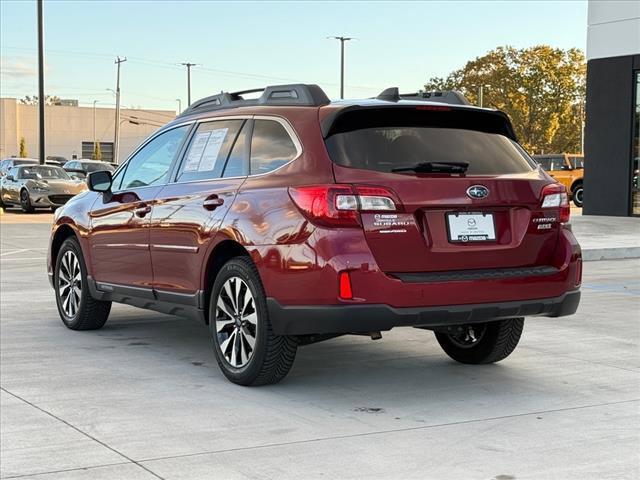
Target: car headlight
<point>40,189</point>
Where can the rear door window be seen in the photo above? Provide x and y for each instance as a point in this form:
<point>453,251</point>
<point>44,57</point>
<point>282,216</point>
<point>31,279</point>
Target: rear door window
<point>271,146</point>
<point>208,150</point>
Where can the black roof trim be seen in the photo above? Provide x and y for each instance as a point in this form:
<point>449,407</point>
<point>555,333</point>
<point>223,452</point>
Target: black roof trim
<point>295,94</point>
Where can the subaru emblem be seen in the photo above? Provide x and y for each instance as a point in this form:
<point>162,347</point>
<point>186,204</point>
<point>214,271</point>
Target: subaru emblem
<point>477,191</point>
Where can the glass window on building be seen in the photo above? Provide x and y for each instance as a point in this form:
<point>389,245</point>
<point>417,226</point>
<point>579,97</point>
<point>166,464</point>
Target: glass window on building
<point>635,152</point>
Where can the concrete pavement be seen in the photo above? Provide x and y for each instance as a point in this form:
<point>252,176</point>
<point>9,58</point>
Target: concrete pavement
<point>143,397</point>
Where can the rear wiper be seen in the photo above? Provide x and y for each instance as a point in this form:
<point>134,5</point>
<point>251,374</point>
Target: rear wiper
<point>435,167</point>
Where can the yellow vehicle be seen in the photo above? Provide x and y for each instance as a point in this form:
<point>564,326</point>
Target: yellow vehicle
<point>568,169</point>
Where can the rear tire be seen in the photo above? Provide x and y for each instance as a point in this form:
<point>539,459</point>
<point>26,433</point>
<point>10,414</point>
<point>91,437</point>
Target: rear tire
<point>247,350</point>
<point>77,308</point>
<point>577,194</point>
<point>25,202</point>
<point>483,343</point>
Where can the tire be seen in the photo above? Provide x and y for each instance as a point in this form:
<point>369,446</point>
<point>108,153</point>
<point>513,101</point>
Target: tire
<point>494,341</point>
<point>577,193</point>
<point>85,313</point>
<point>271,356</point>
<point>25,202</point>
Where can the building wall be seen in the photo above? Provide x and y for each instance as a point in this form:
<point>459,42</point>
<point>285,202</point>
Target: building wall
<point>66,127</point>
<point>613,57</point>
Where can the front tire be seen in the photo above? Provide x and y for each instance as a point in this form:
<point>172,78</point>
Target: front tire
<point>25,202</point>
<point>483,343</point>
<point>246,349</point>
<point>577,195</point>
<point>77,308</point>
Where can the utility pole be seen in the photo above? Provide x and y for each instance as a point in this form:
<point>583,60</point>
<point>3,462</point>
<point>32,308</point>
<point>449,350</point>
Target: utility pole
<point>41,98</point>
<point>116,132</point>
<point>342,40</point>
<point>189,65</point>
<point>480,96</point>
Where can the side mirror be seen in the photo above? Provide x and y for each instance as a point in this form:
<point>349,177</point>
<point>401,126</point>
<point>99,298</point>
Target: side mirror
<point>100,181</point>
<point>10,178</point>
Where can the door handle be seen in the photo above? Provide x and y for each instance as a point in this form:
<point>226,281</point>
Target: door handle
<point>212,202</point>
<point>142,210</point>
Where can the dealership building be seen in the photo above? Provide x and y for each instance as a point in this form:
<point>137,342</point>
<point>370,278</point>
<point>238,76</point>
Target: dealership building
<point>612,130</point>
<point>70,130</point>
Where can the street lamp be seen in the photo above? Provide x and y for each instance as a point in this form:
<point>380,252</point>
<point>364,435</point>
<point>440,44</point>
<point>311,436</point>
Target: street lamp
<point>179,105</point>
<point>481,95</point>
<point>342,40</point>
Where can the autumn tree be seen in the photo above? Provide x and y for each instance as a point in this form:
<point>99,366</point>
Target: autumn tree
<point>541,88</point>
<point>23,148</point>
<point>97,151</point>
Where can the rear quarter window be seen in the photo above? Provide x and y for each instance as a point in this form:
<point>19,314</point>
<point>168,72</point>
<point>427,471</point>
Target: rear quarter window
<point>271,146</point>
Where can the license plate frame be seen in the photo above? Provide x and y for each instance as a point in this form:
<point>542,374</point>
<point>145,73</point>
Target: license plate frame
<point>470,227</point>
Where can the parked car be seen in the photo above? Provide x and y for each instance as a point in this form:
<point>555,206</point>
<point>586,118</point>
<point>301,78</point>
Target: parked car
<point>38,186</point>
<point>568,169</point>
<point>80,168</point>
<point>57,158</point>
<point>289,219</point>
<point>8,163</point>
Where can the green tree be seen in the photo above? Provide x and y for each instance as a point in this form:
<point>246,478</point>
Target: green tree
<point>23,148</point>
<point>541,88</point>
<point>97,151</point>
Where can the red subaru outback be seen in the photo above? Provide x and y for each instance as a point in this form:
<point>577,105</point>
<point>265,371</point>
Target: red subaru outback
<point>289,219</point>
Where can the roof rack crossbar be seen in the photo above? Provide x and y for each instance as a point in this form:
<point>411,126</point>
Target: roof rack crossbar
<point>296,94</point>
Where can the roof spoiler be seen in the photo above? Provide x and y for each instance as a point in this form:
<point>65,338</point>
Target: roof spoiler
<point>445,96</point>
<point>295,94</point>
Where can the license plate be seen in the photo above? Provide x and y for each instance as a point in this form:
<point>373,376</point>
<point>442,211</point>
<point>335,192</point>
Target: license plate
<point>471,227</point>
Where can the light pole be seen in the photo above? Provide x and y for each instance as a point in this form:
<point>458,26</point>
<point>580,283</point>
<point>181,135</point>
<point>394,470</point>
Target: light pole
<point>179,105</point>
<point>116,133</point>
<point>189,65</point>
<point>342,40</point>
<point>41,99</point>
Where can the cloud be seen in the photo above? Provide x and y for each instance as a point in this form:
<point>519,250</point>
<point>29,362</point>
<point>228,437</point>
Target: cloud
<point>18,68</point>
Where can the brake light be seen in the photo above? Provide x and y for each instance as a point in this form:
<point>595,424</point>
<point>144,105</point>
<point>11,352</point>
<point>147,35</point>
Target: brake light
<point>344,286</point>
<point>339,205</point>
<point>555,196</point>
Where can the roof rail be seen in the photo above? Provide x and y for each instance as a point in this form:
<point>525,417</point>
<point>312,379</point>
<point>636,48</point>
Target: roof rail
<point>295,94</point>
<point>392,94</point>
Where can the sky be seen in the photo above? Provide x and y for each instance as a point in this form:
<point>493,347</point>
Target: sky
<point>242,45</point>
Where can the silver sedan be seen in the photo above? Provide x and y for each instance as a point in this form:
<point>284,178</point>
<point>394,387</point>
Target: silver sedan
<point>38,186</point>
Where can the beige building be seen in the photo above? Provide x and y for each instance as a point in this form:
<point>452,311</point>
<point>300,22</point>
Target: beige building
<point>70,129</point>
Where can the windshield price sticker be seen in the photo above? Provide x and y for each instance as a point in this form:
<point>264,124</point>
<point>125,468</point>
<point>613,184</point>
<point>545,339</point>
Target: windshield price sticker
<point>196,150</point>
<point>471,227</point>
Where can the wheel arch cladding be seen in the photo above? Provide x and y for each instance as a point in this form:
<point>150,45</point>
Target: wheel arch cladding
<point>221,254</point>
<point>62,233</point>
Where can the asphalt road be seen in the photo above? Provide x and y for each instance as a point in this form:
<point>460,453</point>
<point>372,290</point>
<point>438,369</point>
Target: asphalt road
<point>143,398</point>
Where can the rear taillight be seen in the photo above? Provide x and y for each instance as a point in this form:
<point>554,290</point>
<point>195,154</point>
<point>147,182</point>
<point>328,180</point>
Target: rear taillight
<point>339,205</point>
<point>555,196</point>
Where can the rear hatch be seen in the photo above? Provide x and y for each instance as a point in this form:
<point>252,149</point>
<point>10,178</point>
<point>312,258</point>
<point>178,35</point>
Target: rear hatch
<point>487,217</point>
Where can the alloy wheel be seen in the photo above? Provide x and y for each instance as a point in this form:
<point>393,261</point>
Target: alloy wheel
<point>70,283</point>
<point>236,322</point>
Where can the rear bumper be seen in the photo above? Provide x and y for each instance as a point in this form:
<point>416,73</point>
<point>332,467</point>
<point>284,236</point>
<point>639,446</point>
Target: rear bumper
<point>303,320</point>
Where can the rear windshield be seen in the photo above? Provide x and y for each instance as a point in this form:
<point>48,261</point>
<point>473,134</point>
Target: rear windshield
<point>384,149</point>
